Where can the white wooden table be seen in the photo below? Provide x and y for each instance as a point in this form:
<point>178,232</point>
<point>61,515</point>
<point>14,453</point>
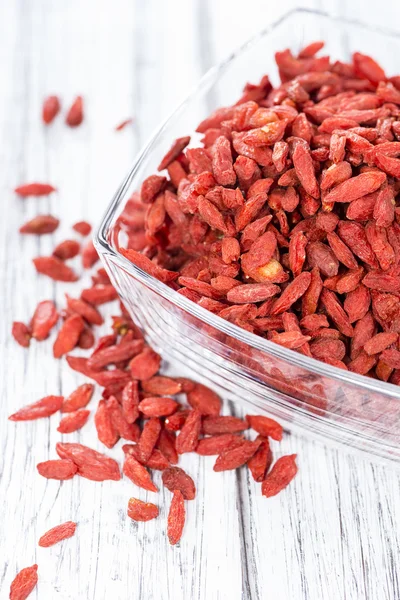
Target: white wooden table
<point>334,534</point>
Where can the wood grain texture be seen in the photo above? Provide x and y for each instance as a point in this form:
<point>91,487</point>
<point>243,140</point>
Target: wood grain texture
<point>334,534</point>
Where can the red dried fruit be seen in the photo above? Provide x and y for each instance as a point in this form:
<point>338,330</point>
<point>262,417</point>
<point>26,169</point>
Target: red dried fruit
<point>341,251</point>
<point>57,469</point>
<point>356,187</point>
<point>292,293</point>
<point>68,335</point>
<point>89,255</point>
<point>177,147</point>
<point>310,298</point>
<point>43,320</point>
<point>67,249</point>
<point>138,474</point>
<point>265,426</point>
<point>99,294</point>
<point>336,312</point>
<point>24,583</point>
<point>148,438</point>
<point>79,398</point>
<point>73,421</point>
<point>189,435</point>
<point>57,534</point>
<point>304,167</point>
<point>160,385</point>
<point>233,458</point>
<point>75,114</point>
<point>54,268</point>
<point>321,256</point>
<point>145,365</point>
<point>216,444</point>
<point>141,511</point>
<point>391,357</point>
<point>35,189</point>
<point>176,518</point>
<point>166,444</point>
<point>362,364</point>
<point>45,407</point>
<point>380,342</point>
<point>86,339</point>
<point>156,461</point>
<point>130,401</point>
<point>114,354</point>
<point>40,225</point>
<point>279,477</point>
<point>106,430</point>
<point>21,334</point>
<point>51,108</point>
<point>82,227</point>
<point>214,425</point>
<point>125,430</point>
<point>259,464</point>
<point>123,124</point>
<point>91,464</point>
<point>175,478</point>
<point>158,407</point>
<point>88,312</point>
<point>205,400</point>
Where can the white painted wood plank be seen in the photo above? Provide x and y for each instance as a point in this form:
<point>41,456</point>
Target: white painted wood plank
<point>335,532</point>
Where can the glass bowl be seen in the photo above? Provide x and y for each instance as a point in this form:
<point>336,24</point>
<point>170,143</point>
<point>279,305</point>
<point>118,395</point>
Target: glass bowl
<point>306,395</point>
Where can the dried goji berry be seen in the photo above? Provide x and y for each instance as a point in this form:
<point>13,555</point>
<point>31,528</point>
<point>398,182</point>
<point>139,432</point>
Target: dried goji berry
<point>40,225</point>
<point>138,474</point>
<point>189,435</point>
<point>106,430</point>
<point>79,398</point>
<point>261,461</point>
<point>281,474</point>
<point>123,124</point>
<point>145,365</point>
<point>176,518</point>
<point>89,255</point>
<point>217,444</point>
<point>43,320</point>
<point>35,189</point>
<point>68,335</point>
<point>205,400</point>
<point>66,249</point>
<point>82,227</point>
<point>57,534</point>
<point>75,113</point>
<point>265,426</point>
<point>24,583</point>
<point>73,421</point>
<point>57,469</point>
<point>175,478</point>
<point>21,334</point>
<point>50,109</point>
<point>91,464</point>
<point>141,511</point>
<point>233,458</point>
<point>156,461</point>
<point>45,407</point>
<point>213,425</point>
<point>149,437</point>
<point>54,268</point>
<point>158,406</point>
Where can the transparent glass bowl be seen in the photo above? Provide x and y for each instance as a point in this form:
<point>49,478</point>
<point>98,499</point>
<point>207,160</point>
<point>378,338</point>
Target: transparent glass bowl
<point>306,395</point>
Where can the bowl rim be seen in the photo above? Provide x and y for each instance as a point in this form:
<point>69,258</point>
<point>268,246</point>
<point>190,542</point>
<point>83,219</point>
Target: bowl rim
<point>257,342</point>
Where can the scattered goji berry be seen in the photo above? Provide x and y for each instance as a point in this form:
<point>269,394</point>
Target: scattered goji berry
<point>21,334</point>
<point>176,518</point>
<point>45,407</point>
<point>57,469</point>
<point>141,511</point>
<point>281,474</point>
<point>175,478</point>
<point>73,421</point>
<point>35,189</point>
<point>24,583</point>
<point>40,225</point>
<point>75,113</point>
<point>57,534</point>
<point>51,108</point>
<point>54,268</point>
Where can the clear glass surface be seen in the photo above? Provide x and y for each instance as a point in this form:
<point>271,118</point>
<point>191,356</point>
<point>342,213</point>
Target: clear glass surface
<point>317,399</point>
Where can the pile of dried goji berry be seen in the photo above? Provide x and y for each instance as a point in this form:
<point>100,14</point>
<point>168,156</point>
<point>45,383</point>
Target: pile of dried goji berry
<point>285,222</point>
<point>137,404</point>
